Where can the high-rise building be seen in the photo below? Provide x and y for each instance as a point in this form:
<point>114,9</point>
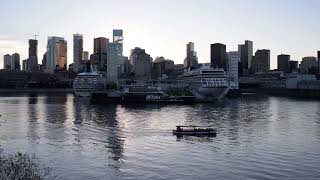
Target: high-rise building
<point>162,68</point>
<point>99,57</point>
<point>293,66</point>
<point>261,61</point>
<point>43,63</point>
<point>141,63</point>
<point>191,61</point>
<point>219,56</point>
<point>115,60</point>
<point>33,47</point>
<point>118,38</point>
<point>15,62</point>
<point>318,62</point>
<point>283,63</point>
<point>25,65</point>
<point>246,53</point>
<point>232,69</point>
<point>77,51</point>
<point>7,61</point>
<point>309,64</point>
<point>56,54</point>
<point>85,55</point>
<point>33,55</point>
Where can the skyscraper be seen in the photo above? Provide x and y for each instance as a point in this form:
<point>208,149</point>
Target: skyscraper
<point>232,69</point>
<point>293,66</point>
<point>15,62</point>
<point>56,54</point>
<point>114,56</point>
<point>191,61</point>
<point>33,47</point>
<point>85,55</point>
<point>118,38</point>
<point>318,62</point>
<point>77,51</point>
<point>283,63</point>
<point>309,65</point>
<point>141,63</point>
<point>25,65</point>
<point>7,61</point>
<point>100,50</point>
<point>219,56</point>
<point>261,61</point>
<point>33,55</point>
<point>246,52</point>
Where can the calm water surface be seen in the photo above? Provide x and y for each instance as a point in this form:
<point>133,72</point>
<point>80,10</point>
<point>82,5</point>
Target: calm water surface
<point>258,138</point>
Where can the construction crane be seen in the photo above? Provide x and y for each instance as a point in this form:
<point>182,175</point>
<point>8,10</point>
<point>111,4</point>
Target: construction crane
<point>35,36</point>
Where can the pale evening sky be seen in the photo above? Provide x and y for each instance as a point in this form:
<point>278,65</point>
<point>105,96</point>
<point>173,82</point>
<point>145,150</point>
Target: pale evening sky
<point>163,27</point>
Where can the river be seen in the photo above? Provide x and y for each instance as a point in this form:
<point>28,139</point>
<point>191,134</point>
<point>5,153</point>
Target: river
<point>258,137</point>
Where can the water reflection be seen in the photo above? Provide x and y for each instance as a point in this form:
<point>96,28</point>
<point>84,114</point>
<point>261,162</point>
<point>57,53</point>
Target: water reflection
<point>32,120</point>
<point>106,129</point>
<point>257,137</point>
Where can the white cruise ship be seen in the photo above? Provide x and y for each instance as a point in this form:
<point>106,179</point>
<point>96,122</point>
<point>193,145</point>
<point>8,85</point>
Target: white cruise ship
<point>206,83</point>
<point>85,83</point>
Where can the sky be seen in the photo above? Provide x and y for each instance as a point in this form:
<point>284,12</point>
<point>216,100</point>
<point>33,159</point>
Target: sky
<point>164,27</point>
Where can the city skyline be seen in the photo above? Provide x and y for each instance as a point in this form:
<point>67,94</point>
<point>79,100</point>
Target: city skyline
<point>285,28</point>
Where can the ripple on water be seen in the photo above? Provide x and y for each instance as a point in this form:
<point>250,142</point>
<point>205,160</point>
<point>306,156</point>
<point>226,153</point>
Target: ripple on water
<point>258,138</point>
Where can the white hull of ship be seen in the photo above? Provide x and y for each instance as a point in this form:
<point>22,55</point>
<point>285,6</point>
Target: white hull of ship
<point>210,94</point>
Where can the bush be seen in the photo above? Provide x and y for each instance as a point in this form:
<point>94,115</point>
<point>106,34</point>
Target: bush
<point>21,166</point>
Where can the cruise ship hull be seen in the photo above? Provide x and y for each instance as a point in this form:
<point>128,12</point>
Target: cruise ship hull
<point>212,93</point>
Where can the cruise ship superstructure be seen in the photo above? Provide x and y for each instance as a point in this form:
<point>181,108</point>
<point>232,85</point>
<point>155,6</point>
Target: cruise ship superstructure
<point>206,83</point>
<point>86,83</point>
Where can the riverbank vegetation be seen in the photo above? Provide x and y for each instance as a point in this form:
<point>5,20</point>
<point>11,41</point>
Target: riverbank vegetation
<point>22,166</point>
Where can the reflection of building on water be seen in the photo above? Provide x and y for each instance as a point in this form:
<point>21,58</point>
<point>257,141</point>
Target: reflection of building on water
<point>80,110</point>
<point>33,113</point>
<point>106,117</point>
<point>55,108</point>
<point>107,129</point>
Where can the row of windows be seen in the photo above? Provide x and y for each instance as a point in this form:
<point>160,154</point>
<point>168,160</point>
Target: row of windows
<point>215,85</point>
<point>221,82</point>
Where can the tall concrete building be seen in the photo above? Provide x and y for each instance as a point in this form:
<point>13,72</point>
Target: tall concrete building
<point>261,61</point>
<point>99,57</point>
<point>293,66</point>
<point>77,51</point>
<point>141,63</point>
<point>162,68</point>
<point>283,63</point>
<point>33,47</point>
<point>25,65</point>
<point>33,56</point>
<point>232,69</point>
<point>15,62</point>
<point>7,61</point>
<point>318,62</point>
<point>56,54</point>
<point>309,64</point>
<point>219,56</point>
<point>85,55</point>
<point>246,53</point>
<point>191,61</point>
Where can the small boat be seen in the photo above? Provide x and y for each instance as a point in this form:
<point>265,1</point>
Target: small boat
<point>194,131</point>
